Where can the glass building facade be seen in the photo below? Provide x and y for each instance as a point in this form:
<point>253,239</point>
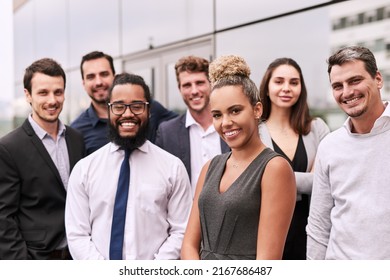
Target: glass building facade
<point>147,37</point>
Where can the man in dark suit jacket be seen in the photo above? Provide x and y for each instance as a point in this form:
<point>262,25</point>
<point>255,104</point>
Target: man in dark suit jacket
<point>192,133</point>
<point>35,162</point>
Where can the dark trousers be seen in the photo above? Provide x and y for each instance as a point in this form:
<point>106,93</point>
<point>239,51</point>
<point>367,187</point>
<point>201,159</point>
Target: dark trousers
<point>62,254</point>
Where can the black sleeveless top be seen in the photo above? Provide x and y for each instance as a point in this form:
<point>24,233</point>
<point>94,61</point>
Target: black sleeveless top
<point>299,161</point>
<point>295,246</point>
<point>230,220</point>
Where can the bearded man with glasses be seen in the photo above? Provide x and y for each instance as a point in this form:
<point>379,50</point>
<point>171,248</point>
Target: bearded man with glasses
<point>156,194</point>
<point>97,73</point>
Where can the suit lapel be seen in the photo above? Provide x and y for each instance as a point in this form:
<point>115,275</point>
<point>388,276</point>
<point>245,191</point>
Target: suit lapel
<point>41,149</point>
<point>184,145</point>
<point>69,145</point>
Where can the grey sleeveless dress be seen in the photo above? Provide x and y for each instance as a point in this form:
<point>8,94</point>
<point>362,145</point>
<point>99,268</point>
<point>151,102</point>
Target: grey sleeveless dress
<point>230,220</point>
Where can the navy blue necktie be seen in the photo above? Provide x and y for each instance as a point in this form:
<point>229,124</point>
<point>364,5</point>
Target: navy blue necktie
<point>119,215</point>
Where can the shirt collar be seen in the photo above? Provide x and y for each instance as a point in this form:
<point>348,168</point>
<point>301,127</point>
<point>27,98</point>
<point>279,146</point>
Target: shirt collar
<point>189,119</point>
<point>94,117</point>
<point>381,124</point>
<point>143,148</point>
<point>41,133</point>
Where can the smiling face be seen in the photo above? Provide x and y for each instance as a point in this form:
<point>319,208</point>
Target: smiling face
<point>355,91</point>
<point>128,129</point>
<point>234,118</point>
<point>97,79</point>
<point>284,86</point>
<point>46,98</point>
<point>195,89</point>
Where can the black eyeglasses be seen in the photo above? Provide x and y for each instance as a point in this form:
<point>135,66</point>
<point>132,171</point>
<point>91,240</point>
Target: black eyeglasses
<point>120,108</point>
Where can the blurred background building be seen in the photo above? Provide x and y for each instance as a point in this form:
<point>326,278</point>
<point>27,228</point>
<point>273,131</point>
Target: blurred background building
<point>147,37</point>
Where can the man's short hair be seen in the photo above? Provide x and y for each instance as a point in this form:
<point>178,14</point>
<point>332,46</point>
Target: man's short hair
<point>353,53</point>
<point>132,79</point>
<point>95,55</point>
<point>45,66</point>
<point>192,64</point>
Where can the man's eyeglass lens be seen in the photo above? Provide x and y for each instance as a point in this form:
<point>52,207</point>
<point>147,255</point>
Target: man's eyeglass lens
<point>135,108</point>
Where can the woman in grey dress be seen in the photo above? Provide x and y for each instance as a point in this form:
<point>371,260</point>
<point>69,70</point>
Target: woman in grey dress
<point>245,198</point>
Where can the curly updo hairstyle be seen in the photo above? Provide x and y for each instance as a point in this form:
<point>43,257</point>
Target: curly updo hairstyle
<point>232,70</point>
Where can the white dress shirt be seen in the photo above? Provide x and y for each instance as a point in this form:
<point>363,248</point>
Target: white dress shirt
<point>204,145</point>
<point>158,205</point>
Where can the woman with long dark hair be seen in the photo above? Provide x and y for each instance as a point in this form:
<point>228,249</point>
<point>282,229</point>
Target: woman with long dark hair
<point>288,129</point>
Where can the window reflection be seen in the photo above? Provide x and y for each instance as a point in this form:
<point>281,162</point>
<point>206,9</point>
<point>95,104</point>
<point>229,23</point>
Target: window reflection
<point>355,19</point>
<point>175,101</point>
<point>273,29</point>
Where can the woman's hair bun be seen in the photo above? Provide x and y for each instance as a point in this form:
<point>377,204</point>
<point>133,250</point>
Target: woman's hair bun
<point>228,65</point>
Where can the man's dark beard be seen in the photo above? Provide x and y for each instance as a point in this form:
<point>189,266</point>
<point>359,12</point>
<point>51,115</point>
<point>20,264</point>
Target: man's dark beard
<point>128,142</point>
<point>101,102</point>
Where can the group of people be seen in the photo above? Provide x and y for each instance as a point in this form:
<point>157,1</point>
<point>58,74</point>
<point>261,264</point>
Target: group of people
<point>245,173</point>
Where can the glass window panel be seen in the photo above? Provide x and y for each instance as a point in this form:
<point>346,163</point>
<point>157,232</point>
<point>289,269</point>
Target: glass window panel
<point>308,44</point>
<point>93,25</point>
<point>20,106</point>
<point>149,69</point>
<point>76,99</point>
<point>360,18</point>
<point>370,16</point>
<point>353,20</point>
<point>175,100</point>
<point>379,45</point>
<point>386,77</point>
<point>148,74</point>
<point>68,29</point>
<point>380,13</point>
<point>156,23</point>
<point>51,30</point>
<point>343,22</point>
<point>232,12</point>
<point>23,39</point>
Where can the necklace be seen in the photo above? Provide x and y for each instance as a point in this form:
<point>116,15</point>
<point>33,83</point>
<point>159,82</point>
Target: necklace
<point>244,162</point>
<point>235,164</point>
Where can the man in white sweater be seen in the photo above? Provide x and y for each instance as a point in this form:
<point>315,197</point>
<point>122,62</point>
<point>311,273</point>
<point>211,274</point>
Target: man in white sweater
<point>350,206</point>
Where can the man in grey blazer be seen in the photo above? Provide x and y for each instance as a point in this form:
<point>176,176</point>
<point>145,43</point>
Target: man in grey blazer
<point>191,136</point>
<point>35,161</point>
